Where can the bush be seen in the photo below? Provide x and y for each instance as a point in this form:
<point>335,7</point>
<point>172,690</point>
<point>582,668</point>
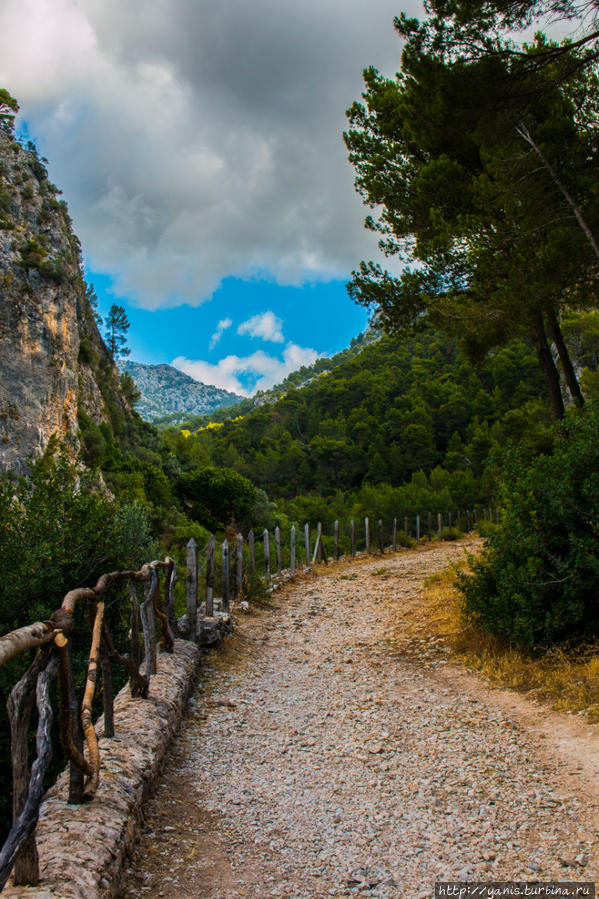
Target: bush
<point>57,532</point>
<point>537,582</point>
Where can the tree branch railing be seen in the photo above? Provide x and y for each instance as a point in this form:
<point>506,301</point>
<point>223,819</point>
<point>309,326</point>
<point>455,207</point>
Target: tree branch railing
<point>52,641</point>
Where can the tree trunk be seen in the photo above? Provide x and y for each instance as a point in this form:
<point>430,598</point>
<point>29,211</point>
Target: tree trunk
<point>550,372</point>
<point>564,357</point>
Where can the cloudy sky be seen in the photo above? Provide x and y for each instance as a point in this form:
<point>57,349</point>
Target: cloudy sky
<point>199,148</point>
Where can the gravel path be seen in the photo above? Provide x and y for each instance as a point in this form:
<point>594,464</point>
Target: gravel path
<point>319,760</point>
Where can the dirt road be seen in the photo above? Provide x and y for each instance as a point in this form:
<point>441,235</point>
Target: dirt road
<point>320,760</point>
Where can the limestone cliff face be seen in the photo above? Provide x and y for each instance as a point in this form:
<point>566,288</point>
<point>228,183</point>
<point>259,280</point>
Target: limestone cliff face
<point>53,361</point>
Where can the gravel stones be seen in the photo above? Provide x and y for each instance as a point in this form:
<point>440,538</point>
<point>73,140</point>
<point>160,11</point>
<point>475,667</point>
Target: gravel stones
<point>318,760</point>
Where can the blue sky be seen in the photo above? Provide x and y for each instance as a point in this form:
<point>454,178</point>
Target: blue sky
<point>199,148</point>
<point>307,317</point>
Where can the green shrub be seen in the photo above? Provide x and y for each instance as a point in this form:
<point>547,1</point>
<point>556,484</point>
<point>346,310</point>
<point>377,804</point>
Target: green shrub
<point>537,582</point>
<point>57,532</point>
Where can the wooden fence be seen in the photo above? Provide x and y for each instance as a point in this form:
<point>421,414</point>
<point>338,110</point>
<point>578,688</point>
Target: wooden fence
<point>52,640</point>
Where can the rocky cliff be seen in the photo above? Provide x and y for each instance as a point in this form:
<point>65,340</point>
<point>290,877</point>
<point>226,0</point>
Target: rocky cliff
<point>166,391</point>
<point>53,362</point>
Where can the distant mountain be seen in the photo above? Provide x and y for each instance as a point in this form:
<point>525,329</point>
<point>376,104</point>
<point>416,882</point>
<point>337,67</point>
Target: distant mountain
<point>166,391</point>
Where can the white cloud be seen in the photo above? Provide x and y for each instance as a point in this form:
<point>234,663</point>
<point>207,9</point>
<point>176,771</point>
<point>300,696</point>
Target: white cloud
<point>259,370</point>
<point>222,326</point>
<point>266,325</point>
<point>196,141</point>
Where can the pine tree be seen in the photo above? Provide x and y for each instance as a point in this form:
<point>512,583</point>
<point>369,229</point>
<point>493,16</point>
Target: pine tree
<point>117,325</point>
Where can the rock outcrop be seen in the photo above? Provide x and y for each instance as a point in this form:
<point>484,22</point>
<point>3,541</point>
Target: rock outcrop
<point>53,362</point>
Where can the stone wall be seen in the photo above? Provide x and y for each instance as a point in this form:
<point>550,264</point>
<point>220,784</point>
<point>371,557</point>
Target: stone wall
<point>82,847</point>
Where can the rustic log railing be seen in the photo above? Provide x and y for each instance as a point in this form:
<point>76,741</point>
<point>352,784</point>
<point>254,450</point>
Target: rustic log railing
<point>52,642</point>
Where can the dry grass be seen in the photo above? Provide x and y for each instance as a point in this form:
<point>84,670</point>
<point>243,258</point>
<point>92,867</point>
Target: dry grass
<point>565,680</point>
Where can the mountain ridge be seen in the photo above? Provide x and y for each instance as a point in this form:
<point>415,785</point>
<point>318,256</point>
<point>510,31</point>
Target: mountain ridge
<point>167,391</point>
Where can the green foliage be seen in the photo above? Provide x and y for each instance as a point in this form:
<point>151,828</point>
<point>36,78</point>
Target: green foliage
<point>34,255</point>
<point>476,185</point>
<point>538,580</point>
<point>8,109</point>
<point>58,531</point>
<point>216,497</point>
<point>117,325</point>
<point>379,418</point>
<point>86,352</point>
<point>129,389</point>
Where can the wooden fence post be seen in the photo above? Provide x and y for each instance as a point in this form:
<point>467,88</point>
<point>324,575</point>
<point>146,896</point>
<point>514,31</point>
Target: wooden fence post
<point>352,537</point>
<point>170,579</point>
<point>418,529</point>
<point>76,779</point>
<point>210,554</point>
<point>381,538</point>
<point>307,543</point>
<point>148,621</point>
<point>317,554</point>
<point>224,606</point>
<point>134,653</point>
<point>395,535</point>
<point>429,526</point>
<point>367,534</point>
<point>440,524</point>
<point>252,548</point>
<point>266,536</point>
<point>107,692</point>
<point>278,548</point>
<point>406,525</point>
<point>191,588</point>
<point>292,550</point>
<point>336,540</point>
<point>239,570</point>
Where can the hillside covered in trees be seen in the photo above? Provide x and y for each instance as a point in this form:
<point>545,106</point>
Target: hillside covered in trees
<point>401,412</point>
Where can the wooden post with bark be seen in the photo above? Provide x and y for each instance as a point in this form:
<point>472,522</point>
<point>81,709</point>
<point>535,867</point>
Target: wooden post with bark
<point>266,555</point>
<point>239,566</point>
<point>394,535</point>
<point>210,563</point>
<point>278,548</point>
<point>418,529</point>
<point>367,534</point>
<point>191,589</point>
<point>134,650</point>
<point>148,622</point>
<point>440,525</point>
<point>307,543</point>
<point>252,549</point>
<point>381,537</point>
<point>336,540</point>
<point>107,691</point>
<point>292,550</point>
<point>225,578</point>
<point>317,554</point>
<point>352,538</point>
